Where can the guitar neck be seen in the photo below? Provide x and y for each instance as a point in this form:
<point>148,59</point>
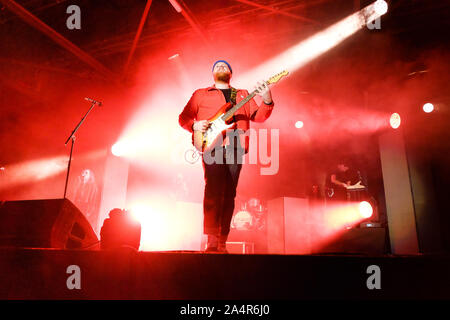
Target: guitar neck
<point>235,108</point>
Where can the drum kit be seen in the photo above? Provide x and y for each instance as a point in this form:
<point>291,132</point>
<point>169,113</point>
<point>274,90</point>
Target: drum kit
<point>250,217</point>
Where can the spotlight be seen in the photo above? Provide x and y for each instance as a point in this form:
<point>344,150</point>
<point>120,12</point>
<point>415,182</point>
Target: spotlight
<point>395,120</point>
<point>365,209</point>
<point>428,107</point>
<point>299,124</point>
<point>381,7</point>
<point>118,149</point>
<point>175,5</point>
<point>120,230</point>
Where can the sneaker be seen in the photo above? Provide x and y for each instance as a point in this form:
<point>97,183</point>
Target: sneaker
<point>222,248</point>
<point>211,249</point>
<point>213,243</point>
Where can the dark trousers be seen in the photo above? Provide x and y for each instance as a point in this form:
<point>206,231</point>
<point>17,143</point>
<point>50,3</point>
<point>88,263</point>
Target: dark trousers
<point>221,180</point>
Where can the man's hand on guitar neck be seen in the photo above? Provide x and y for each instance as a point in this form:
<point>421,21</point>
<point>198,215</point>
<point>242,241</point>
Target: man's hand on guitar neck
<point>264,91</point>
<point>201,125</point>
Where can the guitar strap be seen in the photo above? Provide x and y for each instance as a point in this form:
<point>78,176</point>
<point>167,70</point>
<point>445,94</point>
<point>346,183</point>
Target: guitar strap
<point>233,102</point>
<point>233,95</point>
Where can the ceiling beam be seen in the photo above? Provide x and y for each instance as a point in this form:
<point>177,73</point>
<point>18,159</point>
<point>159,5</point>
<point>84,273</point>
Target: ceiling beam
<point>277,11</point>
<point>138,35</point>
<point>35,22</point>
<point>182,8</point>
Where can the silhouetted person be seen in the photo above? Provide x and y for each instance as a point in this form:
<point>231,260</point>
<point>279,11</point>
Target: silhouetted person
<point>339,179</point>
<point>86,196</point>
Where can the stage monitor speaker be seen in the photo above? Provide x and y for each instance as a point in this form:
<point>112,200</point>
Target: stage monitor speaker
<point>288,226</point>
<point>358,241</point>
<point>52,223</point>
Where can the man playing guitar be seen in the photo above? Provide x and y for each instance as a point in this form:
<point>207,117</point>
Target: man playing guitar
<point>221,177</point>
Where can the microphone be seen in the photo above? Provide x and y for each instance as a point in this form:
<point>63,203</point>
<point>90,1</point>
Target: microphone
<point>94,101</point>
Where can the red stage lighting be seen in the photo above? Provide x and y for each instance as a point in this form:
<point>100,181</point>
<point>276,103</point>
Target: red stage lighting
<point>428,107</point>
<point>365,209</point>
<point>299,124</point>
<point>395,120</point>
<point>167,225</point>
<point>176,5</point>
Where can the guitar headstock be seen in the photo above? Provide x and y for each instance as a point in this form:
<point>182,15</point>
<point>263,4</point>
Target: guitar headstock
<point>277,77</point>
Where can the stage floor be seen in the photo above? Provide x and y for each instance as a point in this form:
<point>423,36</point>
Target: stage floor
<point>127,274</point>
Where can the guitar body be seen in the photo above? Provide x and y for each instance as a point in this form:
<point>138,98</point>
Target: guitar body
<point>218,124</point>
<point>206,141</point>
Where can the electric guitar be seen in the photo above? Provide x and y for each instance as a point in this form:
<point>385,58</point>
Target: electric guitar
<point>218,124</point>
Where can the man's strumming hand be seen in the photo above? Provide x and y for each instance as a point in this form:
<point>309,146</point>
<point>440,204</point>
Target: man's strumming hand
<point>201,125</point>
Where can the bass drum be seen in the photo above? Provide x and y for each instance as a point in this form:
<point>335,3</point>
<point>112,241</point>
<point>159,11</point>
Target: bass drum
<point>243,221</point>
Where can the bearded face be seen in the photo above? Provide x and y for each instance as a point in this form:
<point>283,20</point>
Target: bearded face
<point>222,76</point>
<point>221,73</point>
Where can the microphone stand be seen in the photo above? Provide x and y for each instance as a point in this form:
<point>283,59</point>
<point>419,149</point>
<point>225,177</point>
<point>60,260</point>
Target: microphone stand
<point>72,137</point>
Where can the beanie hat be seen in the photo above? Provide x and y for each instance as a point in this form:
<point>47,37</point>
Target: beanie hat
<point>229,67</point>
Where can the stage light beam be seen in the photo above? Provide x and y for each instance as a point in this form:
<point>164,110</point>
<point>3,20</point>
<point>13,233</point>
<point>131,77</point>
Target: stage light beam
<point>307,50</point>
<point>299,124</point>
